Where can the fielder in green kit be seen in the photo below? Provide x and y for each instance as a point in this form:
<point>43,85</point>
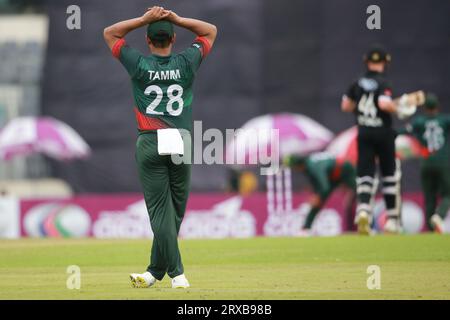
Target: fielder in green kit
<point>432,130</point>
<point>325,173</point>
<point>162,89</point>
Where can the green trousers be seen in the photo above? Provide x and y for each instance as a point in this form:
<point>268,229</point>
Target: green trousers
<point>435,184</point>
<point>166,191</point>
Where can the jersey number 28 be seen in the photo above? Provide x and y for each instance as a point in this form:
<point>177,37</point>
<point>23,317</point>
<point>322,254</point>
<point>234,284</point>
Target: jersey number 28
<point>174,93</point>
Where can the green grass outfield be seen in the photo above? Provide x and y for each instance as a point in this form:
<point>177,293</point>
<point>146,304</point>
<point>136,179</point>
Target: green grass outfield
<point>412,267</point>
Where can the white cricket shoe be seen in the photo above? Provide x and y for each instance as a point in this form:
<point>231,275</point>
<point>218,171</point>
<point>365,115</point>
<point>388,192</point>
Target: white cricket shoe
<point>143,280</point>
<point>363,220</point>
<point>437,223</point>
<point>180,282</point>
<point>392,226</point>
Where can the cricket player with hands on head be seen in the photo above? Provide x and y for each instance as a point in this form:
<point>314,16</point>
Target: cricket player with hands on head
<point>162,89</point>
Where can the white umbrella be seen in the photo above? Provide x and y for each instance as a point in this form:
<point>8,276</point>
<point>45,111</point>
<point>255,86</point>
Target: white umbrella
<point>28,135</point>
<point>298,134</point>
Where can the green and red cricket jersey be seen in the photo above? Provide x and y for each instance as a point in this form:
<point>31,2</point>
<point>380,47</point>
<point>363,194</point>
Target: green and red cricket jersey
<point>433,133</point>
<point>162,86</point>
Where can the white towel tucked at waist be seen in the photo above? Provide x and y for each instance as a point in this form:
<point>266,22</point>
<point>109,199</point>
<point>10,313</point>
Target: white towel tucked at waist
<point>170,142</point>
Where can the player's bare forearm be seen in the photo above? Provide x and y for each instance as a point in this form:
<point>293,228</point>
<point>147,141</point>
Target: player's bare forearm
<point>315,201</point>
<point>199,27</point>
<point>119,30</point>
<point>388,106</point>
<point>348,105</point>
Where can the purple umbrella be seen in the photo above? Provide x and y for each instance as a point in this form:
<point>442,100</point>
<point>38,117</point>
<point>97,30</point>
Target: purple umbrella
<point>27,135</point>
<point>298,134</point>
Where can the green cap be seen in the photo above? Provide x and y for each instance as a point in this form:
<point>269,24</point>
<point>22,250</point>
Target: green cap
<point>431,101</point>
<point>160,30</point>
